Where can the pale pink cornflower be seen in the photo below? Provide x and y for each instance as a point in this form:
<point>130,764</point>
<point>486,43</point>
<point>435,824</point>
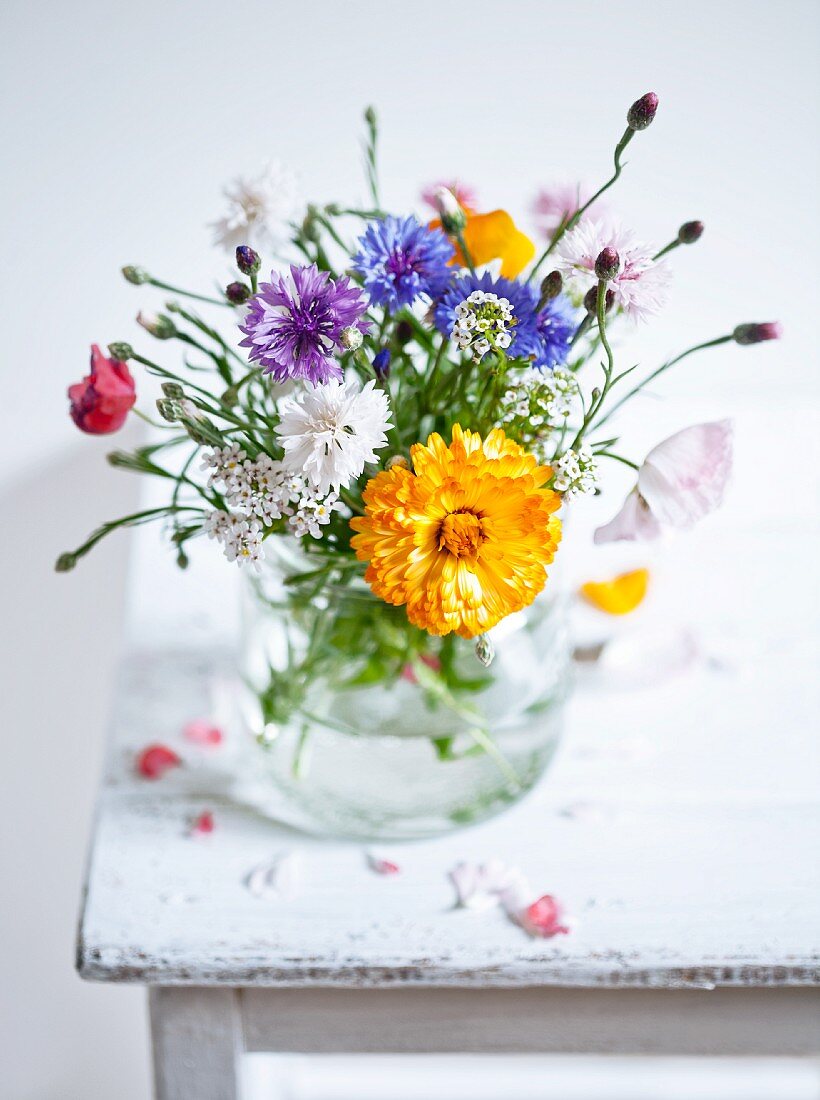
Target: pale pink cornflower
<point>556,204</point>
<point>679,482</point>
<point>640,286</point>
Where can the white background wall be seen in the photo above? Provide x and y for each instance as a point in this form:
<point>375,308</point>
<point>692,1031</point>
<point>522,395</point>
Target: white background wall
<point>123,121</point>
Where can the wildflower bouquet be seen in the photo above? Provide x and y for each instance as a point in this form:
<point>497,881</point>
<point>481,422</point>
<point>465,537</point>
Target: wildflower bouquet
<point>393,417</point>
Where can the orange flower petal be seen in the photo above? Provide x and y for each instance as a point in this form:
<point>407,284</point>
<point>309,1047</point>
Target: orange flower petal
<point>494,236</point>
<point>620,595</point>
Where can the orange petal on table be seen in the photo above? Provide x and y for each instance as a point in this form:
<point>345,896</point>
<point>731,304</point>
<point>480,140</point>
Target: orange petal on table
<point>494,236</point>
<point>620,595</point>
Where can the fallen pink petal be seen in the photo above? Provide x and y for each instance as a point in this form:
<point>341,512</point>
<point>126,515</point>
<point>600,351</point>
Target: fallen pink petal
<point>544,917</point>
<point>155,760</point>
<point>202,732</point>
<point>382,866</point>
<point>203,824</point>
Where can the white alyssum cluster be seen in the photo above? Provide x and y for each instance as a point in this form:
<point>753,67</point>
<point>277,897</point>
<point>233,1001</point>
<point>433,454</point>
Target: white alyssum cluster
<point>259,492</point>
<point>483,322</point>
<point>259,209</point>
<point>576,472</point>
<point>329,432</point>
<point>542,400</point>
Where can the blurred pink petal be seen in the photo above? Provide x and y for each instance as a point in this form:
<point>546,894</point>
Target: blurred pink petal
<point>543,917</point>
<point>681,480</point>
<point>464,195</point>
<point>556,204</point>
<point>200,731</point>
<point>382,866</point>
<point>155,760</point>
<point>408,673</point>
<point>203,824</point>
<point>634,522</point>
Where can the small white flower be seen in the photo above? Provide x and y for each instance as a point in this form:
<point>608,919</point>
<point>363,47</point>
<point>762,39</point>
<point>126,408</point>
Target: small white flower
<point>576,473</point>
<point>259,209</point>
<point>329,432</point>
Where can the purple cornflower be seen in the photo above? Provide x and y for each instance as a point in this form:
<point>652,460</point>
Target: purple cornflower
<point>293,325</point>
<point>555,324</point>
<point>399,260</point>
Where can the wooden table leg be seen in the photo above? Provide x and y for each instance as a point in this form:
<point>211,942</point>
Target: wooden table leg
<point>197,1042</point>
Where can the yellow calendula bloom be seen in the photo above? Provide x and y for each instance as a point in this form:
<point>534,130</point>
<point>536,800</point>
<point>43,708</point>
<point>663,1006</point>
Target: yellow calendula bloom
<point>464,538</point>
<point>494,236</point>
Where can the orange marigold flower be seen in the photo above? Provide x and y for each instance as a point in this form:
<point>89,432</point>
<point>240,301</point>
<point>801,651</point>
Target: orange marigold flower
<point>464,538</point>
<point>494,236</point>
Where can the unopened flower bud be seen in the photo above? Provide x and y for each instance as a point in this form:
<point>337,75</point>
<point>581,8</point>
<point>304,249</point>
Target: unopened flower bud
<point>168,409</point>
<point>591,300</point>
<point>247,260</point>
<point>120,351</point>
<point>484,649</point>
<point>350,338</point>
<point>551,286</point>
<point>160,326</point>
<point>690,232</point>
<point>310,228</point>
<point>397,460</point>
<point>596,393</point>
<point>381,363</point>
<point>370,116</point>
<point>404,332</point>
<point>756,333</point>
<point>642,111</point>
<point>237,293</point>
<point>453,218</point>
<point>608,264</point>
<point>230,397</point>
<point>173,390</point>
<point>65,563</point>
<point>136,275</point>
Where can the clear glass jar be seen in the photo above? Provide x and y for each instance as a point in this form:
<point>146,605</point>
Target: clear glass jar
<point>368,727</point>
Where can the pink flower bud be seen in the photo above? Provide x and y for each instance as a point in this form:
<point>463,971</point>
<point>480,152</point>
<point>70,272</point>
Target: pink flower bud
<point>642,111</point>
<point>608,264</point>
<point>756,333</point>
<point>690,232</point>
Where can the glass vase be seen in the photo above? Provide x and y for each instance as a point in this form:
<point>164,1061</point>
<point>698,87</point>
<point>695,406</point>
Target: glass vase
<point>367,727</point>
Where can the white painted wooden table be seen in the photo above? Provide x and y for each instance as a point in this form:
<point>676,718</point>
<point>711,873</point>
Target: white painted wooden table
<point>680,827</point>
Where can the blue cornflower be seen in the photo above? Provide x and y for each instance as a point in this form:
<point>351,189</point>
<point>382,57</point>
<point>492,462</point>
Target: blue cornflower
<point>400,260</point>
<point>555,325</point>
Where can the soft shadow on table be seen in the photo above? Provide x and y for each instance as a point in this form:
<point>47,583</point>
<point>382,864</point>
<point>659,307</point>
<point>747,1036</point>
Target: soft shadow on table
<point>59,1038</point>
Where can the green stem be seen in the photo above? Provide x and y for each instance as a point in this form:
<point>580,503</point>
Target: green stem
<point>468,259</point>
<point>666,249</point>
<point>576,217</point>
<point>188,293</point>
<point>618,458</point>
<point>608,369</point>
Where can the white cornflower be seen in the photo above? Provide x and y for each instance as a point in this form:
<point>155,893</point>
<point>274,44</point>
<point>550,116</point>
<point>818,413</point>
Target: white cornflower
<point>640,287</point>
<point>259,209</point>
<point>482,322</point>
<point>330,431</point>
<point>576,472</point>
